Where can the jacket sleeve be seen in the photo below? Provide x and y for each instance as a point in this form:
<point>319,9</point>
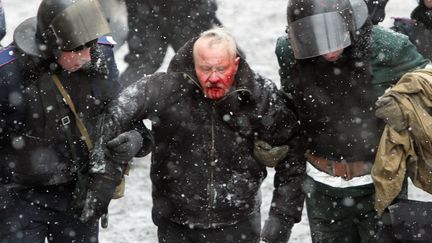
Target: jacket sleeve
<point>277,118</point>
<point>393,55</point>
<point>286,60</point>
<point>111,87</point>
<point>287,202</point>
<point>143,99</point>
<point>288,197</point>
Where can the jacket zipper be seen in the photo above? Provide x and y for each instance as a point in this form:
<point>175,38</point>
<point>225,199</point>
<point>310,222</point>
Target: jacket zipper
<point>212,194</point>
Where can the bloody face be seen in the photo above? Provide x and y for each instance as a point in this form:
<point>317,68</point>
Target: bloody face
<point>215,67</point>
<point>73,60</point>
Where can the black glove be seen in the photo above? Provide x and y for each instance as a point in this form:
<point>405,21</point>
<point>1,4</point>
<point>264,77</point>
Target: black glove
<point>276,230</point>
<point>99,193</point>
<point>124,147</point>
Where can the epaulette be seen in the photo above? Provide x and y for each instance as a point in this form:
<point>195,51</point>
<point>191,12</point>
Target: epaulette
<point>7,55</point>
<point>107,40</point>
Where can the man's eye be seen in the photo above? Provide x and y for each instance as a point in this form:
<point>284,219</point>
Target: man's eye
<point>220,69</point>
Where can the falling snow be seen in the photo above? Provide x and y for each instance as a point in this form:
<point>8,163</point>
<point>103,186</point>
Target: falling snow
<point>256,24</point>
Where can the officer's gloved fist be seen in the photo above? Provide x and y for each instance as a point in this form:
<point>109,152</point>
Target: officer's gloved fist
<point>124,147</point>
<point>276,230</point>
<point>99,194</point>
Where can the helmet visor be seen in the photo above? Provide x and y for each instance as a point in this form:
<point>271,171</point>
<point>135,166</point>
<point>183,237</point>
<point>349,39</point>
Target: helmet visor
<point>319,34</point>
<point>79,24</point>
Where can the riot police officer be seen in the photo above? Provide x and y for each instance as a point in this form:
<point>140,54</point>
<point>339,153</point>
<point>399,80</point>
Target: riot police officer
<point>56,78</point>
<point>335,64</point>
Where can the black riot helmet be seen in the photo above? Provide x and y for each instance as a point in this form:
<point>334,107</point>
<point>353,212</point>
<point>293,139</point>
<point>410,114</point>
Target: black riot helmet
<point>317,27</point>
<point>61,25</point>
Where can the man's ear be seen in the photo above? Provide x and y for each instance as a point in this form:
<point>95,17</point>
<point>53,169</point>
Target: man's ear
<point>236,62</point>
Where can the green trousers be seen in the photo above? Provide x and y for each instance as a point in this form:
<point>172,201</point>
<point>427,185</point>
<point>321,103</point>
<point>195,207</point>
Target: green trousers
<point>340,215</point>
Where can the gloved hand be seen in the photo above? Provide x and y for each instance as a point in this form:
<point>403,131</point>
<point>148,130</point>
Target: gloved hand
<point>268,155</point>
<point>389,111</point>
<point>99,194</point>
<point>276,230</point>
<point>124,147</point>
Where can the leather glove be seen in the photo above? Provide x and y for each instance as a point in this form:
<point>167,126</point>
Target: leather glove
<point>268,155</point>
<point>276,230</point>
<point>99,194</point>
<point>124,147</point>
<point>389,111</point>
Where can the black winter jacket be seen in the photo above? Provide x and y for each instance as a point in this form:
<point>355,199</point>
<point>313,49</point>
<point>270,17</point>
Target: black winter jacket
<point>40,144</point>
<point>335,101</point>
<point>202,170</point>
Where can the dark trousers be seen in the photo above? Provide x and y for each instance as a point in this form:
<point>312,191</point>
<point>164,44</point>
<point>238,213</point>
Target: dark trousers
<point>30,222</point>
<point>408,231</point>
<point>386,234</point>
<point>247,231</point>
<point>340,215</point>
<point>155,25</point>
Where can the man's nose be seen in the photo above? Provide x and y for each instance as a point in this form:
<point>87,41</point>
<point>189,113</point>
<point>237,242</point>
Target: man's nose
<point>213,77</point>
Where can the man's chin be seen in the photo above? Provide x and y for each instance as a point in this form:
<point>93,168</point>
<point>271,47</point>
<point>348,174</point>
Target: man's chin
<point>215,94</point>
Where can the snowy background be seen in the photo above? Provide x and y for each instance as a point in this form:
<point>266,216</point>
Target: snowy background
<point>256,24</point>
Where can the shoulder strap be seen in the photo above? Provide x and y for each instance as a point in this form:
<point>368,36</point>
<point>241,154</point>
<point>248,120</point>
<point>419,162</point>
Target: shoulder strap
<point>79,122</point>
